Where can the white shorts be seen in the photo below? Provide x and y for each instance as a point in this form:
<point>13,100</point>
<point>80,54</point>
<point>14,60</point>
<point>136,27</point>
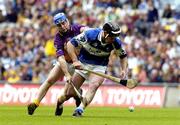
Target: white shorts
<point>69,65</point>
<point>96,68</point>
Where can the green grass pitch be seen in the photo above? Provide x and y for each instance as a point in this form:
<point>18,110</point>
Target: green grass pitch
<point>17,115</point>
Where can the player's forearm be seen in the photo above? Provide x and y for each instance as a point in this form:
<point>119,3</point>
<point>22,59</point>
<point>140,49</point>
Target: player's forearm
<point>72,52</point>
<point>124,64</point>
<point>63,65</point>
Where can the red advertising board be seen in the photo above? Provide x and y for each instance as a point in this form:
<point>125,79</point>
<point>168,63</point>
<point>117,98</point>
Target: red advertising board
<point>145,96</point>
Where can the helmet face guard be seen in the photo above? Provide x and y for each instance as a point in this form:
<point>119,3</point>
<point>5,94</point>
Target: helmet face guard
<point>113,35</point>
<point>58,18</point>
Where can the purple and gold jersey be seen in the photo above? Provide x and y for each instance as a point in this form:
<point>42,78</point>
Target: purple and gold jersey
<point>61,40</point>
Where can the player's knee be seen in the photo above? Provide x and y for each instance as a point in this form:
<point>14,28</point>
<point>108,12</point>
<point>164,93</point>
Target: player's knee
<point>63,97</point>
<point>70,92</point>
<point>68,95</point>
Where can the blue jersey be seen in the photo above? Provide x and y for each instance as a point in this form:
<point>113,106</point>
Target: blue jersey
<point>93,50</point>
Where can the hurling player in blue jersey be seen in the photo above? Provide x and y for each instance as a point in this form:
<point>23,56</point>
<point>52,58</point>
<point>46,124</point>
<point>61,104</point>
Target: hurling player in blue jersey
<point>62,68</point>
<point>95,47</point>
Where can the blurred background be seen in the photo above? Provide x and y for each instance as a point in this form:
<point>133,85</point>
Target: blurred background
<point>150,31</point>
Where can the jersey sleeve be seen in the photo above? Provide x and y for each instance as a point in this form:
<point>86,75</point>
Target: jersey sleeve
<point>119,48</point>
<point>78,27</point>
<point>79,39</point>
<point>59,46</point>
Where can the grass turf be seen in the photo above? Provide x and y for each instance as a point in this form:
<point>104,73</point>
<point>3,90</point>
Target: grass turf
<point>16,115</point>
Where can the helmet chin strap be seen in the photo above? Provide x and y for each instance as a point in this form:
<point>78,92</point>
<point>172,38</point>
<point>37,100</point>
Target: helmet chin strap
<point>106,36</point>
<point>103,39</point>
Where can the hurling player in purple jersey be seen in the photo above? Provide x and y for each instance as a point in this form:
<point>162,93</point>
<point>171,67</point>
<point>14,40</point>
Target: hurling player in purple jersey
<point>62,67</point>
<point>96,46</point>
